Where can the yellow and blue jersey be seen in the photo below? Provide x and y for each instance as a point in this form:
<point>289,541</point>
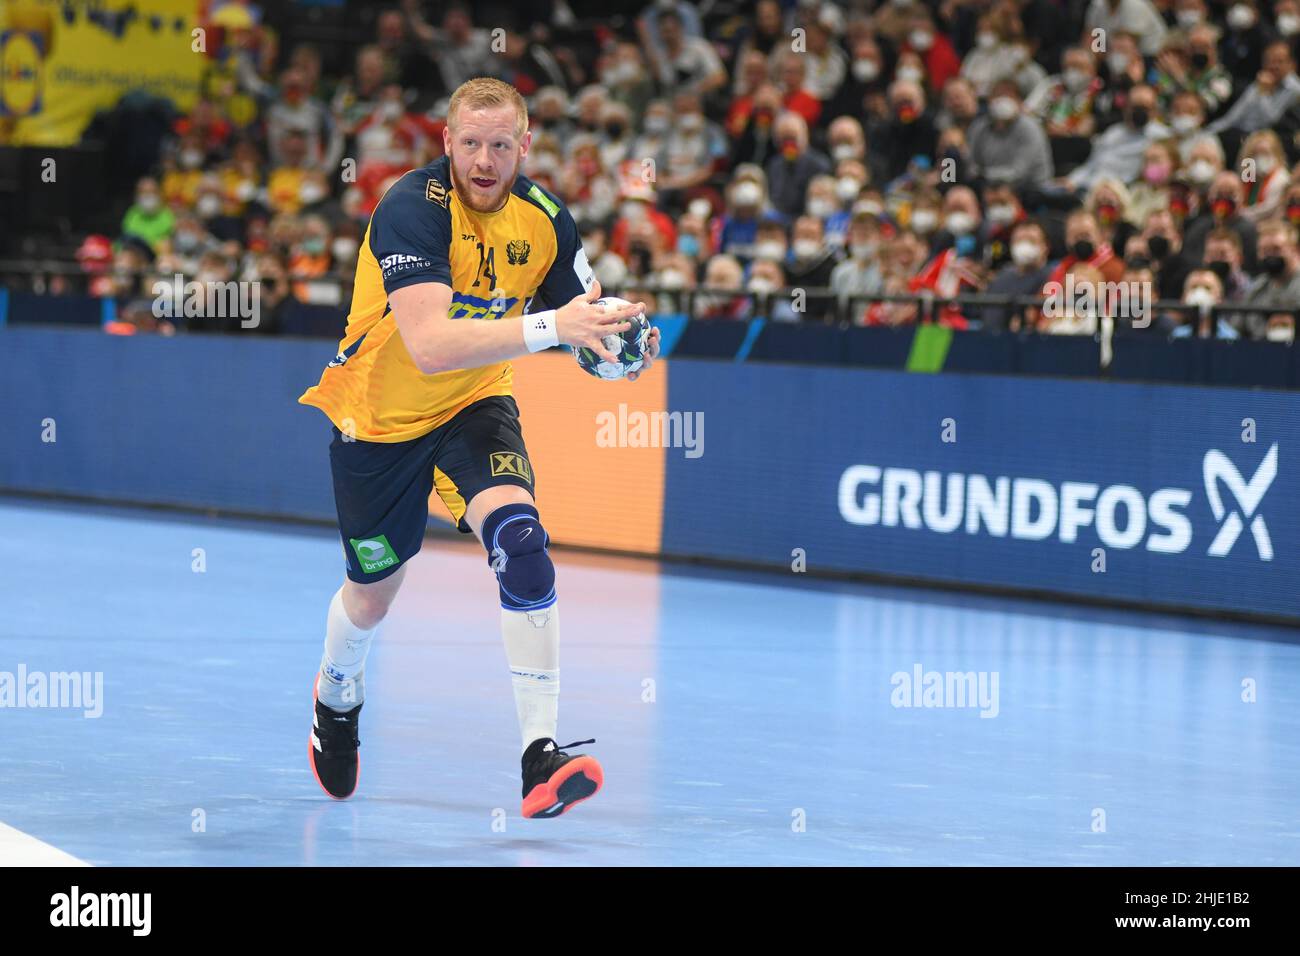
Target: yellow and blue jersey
<point>497,264</point>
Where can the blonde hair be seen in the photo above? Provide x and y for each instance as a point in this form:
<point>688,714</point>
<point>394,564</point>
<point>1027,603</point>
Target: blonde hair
<point>485,92</point>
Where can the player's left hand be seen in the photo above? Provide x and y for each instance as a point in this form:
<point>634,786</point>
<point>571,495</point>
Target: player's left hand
<point>652,353</point>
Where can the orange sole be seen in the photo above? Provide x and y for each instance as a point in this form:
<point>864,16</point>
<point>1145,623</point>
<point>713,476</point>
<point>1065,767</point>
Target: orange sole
<point>311,753</point>
<point>578,780</point>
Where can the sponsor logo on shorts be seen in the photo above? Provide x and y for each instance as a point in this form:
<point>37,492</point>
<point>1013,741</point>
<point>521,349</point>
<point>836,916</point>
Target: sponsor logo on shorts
<point>509,463</point>
<point>375,553</point>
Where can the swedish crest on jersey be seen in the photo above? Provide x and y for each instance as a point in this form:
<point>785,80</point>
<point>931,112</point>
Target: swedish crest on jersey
<point>517,252</point>
<point>436,192</point>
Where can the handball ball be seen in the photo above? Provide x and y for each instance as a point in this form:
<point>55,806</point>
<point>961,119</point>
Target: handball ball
<point>629,346</point>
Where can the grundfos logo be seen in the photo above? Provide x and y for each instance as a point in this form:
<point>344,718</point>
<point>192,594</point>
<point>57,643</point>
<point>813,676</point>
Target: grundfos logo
<point>1031,509</point>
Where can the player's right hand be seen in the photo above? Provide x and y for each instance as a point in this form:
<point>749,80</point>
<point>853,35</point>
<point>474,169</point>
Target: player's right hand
<point>584,324</point>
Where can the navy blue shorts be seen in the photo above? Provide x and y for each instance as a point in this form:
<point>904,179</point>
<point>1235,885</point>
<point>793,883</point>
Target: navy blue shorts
<point>381,489</point>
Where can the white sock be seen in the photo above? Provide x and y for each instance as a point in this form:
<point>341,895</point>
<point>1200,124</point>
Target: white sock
<point>532,641</point>
<point>343,665</point>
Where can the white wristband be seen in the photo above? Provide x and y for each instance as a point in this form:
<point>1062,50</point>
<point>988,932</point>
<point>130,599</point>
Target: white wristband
<point>540,331</point>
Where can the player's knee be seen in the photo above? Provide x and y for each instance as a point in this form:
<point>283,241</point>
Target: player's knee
<point>366,604</point>
<point>516,545</point>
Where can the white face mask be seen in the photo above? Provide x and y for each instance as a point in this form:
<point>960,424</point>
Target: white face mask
<point>691,123</point>
<point>1188,18</point>
<point>908,73</point>
<point>591,250</point>
<point>770,250</point>
<point>1280,333</point>
<point>1118,62</point>
<point>1201,171</point>
<point>1024,253</point>
<point>864,71</point>
<point>1075,80</point>
<point>821,208</point>
<point>920,39</point>
<point>747,194</point>
<point>632,211</point>
<point>924,220</point>
<point>1184,124</point>
<point>1200,297</point>
<point>864,250</point>
<point>959,223</point>
<point>343,248</point>
<point>806,248</point>
<point>1288,24</point>
<point>986,41</point>
<point>1265,163</point>
<point>1241,17</point>
<point>1002,214</point>
<point>869,206</point>
<point>208,206</point>
<point>1004,108</point>
<point>847,188</point>
<point>843,151</point>
<point>656,124</point>
<point>701,208</point>
<point>612,272</point>
<point>759,285</point>
<point>149,202</point>
<point>311,192</point>
<point>672,279</point>
<point>192,158</point>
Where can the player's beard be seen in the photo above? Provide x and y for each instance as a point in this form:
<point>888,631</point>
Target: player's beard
<point>470,195</point>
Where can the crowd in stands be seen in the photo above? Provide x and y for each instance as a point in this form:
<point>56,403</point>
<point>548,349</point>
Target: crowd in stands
<point>867,152</point>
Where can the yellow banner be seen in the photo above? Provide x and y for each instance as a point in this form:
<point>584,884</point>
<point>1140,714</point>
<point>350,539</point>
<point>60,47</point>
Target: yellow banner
<point>61,61</point>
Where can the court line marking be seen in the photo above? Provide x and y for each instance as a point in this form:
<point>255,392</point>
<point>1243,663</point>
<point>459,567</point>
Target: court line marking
<point>21,849</point>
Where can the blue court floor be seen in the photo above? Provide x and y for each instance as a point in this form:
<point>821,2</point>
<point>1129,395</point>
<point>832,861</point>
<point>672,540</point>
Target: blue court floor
<point>741,719</point>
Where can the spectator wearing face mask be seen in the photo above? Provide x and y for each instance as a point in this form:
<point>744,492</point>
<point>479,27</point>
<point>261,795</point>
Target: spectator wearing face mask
<point>609,267</point>
<point>183,171</point>
<point>1160,167</point>
<point>1278,281</point>
<point>1084,244</point>
<point>1164,246</point>
<point>640,223</point>
<point>940,61</point>
<point>1223,258</point>
<point>909,132</point>
<point>1108,201</point>
<point>1202,292</point>
<point>1222,209</point>
<point>988,60</point>
<point>865,82</point>
<point>1242,47</point>
<point>1024,275</point>
<point>1002,213</point>
<point>860,273</point>
<point>1007,145</point>
<point>789,172</point>
<point>1064,102</point>
<point>1138,17</point>
<point>148,219</point>
<point>824,203</point>
<point>1118,152</point>
<point>656,128</point>
<point>1267,186</point>
<point>746,208</point>
<point>696,149</point>
<point>812,259</point>
<point>767,282</point>
<point>1187,120</point>
<point>955,268</point>
<point>722,294</point>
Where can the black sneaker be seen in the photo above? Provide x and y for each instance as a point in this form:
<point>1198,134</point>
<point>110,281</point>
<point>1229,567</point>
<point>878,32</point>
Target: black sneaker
<point>333,747</point>
<point>555,781</point>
